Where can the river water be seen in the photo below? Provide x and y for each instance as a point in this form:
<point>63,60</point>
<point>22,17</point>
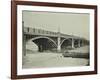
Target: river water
<point>49,59</point>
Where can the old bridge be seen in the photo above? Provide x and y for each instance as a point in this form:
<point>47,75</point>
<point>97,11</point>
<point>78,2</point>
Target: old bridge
<point>53,41</point>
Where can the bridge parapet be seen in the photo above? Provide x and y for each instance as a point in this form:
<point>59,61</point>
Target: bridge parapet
<point>35,31</point>
<point>69,36</point>
<point>65,35</point>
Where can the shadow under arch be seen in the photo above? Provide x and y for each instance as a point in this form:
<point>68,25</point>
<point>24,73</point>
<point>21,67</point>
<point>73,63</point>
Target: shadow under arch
<point>44,43</point>
<point>66,44</point>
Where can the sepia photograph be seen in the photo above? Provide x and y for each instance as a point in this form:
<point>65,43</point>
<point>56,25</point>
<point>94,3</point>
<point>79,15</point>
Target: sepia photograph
<point>55,39</point>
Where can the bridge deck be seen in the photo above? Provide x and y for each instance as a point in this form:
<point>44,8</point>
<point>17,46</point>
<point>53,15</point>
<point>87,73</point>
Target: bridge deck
<point>34,31</point>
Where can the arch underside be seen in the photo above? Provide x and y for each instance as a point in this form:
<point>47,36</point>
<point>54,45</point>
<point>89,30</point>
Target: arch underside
<point>45,44</point>
<point>66,44</point>
<point>69,44</point>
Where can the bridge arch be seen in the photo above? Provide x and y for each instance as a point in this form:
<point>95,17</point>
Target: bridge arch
<point>66,43</point>
<point>45,38</point>
<point>64,40</point>
<point>44,43</point>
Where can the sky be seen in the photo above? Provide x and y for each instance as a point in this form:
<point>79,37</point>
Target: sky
<point>69,23</point>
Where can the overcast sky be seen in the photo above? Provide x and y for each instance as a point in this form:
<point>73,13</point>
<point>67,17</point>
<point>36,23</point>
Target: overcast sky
<point>69,23</point>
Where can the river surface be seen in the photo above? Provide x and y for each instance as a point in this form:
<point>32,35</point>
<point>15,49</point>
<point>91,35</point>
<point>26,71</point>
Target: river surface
<point>49,59</point>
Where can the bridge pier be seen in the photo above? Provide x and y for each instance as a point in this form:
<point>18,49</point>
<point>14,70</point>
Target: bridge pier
<point>79,43</point>
<point>82,43</point>
<point>58,43</point>
<point>73,43</point>
<point>40,48</point>
<point>58,46</point>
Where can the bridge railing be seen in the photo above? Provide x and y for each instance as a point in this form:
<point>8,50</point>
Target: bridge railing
<point>39,31</point>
